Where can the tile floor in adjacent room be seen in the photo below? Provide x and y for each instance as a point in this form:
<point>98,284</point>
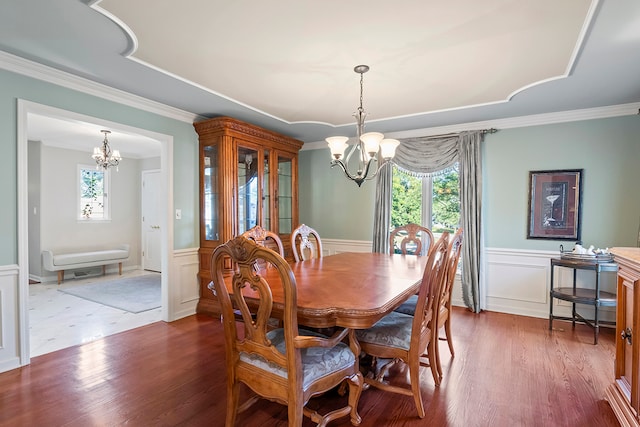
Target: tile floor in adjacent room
<point>58,320</point>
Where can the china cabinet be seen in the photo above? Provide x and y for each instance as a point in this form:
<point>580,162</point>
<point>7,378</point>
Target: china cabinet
<point>248,177</point>
<point>624,394</point>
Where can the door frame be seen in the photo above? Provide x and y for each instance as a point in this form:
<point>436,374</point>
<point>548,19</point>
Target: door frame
<point>166,199</point>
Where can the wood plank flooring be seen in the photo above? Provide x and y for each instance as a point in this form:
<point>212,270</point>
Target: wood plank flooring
<point>508,371</point>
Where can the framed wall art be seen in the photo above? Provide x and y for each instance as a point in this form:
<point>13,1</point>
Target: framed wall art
<point>555,199</point>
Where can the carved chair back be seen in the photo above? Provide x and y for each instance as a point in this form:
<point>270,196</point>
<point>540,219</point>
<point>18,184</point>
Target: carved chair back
<point>305,243</point>
<point>411,239</point>
<point>264,238</point>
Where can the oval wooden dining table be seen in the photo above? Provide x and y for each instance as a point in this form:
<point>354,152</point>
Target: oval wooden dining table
<point>349,289</point>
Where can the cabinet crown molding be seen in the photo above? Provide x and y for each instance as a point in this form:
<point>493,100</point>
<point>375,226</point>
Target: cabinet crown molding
<point>231,125</point>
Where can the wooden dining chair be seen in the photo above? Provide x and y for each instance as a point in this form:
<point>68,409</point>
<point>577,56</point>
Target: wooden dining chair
<point>411,239</point>
<point>443,313</point>
<point>305,243</point>
<point>265,238</point>
<point>287,365</point>
<point>415,240</point>
<point>404,338</point>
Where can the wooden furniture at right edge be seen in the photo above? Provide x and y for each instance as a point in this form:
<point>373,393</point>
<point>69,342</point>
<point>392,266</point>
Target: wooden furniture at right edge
<point>624,394</point>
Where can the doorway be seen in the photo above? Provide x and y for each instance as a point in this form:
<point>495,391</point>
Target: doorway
<point>27,109</point>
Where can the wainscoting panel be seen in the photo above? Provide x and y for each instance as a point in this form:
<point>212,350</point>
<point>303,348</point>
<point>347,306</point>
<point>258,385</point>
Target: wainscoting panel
<point>185,287</point>
<point>9,328</point>
<point>519,281</point>
<point>336,246</point>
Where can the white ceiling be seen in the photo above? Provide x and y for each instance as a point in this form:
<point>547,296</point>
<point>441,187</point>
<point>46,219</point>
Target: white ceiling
<point>288,65</point>
<point>83,136</point>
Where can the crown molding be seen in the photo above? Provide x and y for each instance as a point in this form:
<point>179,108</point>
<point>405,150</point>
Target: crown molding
<point>512,122</point>
<point>48,74</point>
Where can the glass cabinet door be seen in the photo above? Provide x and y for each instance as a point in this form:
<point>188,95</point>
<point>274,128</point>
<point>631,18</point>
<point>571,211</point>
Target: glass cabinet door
<point>210,193</point>
<point>285,195</point>
<point>266,193</point>
<point>248,184</point>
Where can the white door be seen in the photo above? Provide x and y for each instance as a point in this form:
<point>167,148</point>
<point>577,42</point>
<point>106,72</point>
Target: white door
<point>151,235</point>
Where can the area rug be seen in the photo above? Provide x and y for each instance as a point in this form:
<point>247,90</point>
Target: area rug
<point>132,294</point>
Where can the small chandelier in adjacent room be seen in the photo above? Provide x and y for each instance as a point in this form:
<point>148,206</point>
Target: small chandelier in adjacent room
<point>368,145</point>
<point>103,156</point>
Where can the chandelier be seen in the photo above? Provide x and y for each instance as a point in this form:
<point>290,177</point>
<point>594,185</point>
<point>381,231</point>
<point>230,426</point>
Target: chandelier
<point>103,156</point>
<point>369,146</point>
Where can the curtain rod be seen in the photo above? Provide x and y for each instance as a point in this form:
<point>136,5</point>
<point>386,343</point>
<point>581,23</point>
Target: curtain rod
<point>490,130</point>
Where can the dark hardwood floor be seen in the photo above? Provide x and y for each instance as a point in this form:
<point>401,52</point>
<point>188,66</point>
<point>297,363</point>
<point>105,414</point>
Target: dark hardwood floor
<point>508,371</point>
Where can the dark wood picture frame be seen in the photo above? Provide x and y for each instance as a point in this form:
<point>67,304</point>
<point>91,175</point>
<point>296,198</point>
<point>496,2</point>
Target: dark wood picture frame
<point>555,202</point>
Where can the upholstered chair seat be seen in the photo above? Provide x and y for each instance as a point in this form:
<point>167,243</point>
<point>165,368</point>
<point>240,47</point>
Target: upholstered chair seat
<point>393,330</point>
<point>409,306</point>
<point>316,361</point>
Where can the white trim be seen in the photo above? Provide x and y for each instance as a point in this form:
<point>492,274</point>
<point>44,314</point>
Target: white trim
<point>512,122</point>
<point>51,75</point>
<point>23,233</point>
<point>336,246</point>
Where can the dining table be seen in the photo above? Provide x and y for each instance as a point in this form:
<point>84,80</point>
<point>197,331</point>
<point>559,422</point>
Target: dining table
<point>349,289</point>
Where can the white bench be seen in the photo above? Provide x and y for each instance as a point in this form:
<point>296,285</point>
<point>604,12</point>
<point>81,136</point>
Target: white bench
<point>62,262</point>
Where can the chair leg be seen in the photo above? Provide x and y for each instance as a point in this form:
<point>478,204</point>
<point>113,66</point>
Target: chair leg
<point>436,347</point>
<point>296,414</point>
<point>447,331</point>
<point>233,395</point>
<point>433,362</point>
<point>414,377</point>
<point>356,383</point>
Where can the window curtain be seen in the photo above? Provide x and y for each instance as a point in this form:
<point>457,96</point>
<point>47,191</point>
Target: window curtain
<point>425,156</point>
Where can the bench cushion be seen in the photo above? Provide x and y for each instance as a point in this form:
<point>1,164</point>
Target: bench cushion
<point>84,257</point>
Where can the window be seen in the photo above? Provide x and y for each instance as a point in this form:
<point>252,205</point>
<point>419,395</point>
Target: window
<point>433,202</point>
<point>93,188</point>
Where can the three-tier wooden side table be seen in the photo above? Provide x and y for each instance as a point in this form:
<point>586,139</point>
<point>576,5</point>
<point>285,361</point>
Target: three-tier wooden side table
<point>579,295</point>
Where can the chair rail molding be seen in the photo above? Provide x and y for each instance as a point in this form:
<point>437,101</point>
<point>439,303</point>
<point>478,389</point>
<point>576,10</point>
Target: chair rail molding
<point>336,246</point>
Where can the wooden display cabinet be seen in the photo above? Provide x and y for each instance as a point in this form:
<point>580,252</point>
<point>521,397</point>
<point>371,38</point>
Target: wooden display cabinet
<point>624,394</point>
<point>248,177</point>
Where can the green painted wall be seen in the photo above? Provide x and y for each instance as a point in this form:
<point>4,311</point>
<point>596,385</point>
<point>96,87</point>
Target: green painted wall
<point>607,149</point>
<point>185,150</point>
<point>330,203</point>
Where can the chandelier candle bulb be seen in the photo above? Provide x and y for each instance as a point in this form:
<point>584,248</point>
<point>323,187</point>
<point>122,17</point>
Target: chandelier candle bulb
<point>371,142</point>
<point>388,148</point>
<point>337,145</point>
